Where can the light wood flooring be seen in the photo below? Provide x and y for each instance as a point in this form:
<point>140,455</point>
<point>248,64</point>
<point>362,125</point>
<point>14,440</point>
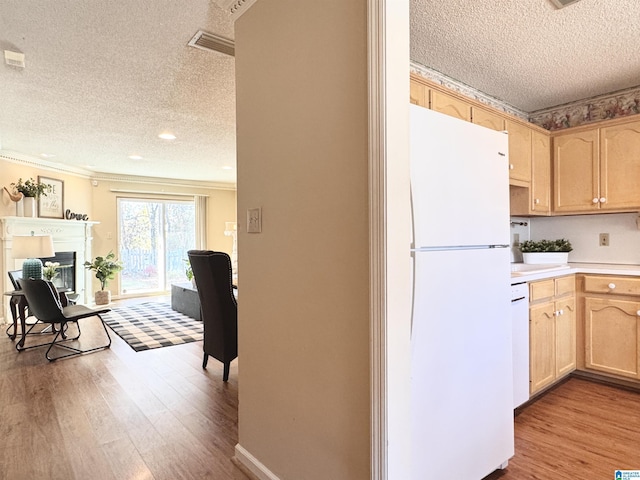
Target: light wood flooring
<point>579,430</point>
<point>116,414</point>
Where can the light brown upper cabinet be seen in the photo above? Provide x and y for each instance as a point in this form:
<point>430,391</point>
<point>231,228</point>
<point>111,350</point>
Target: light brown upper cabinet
<point>419,94</point>
<point>620,166</point>
<point>597,169</point>
<point>540,173</point>
<point>486,118</point>
<point>576,171</point>
<point>450,105</point>
<point>519,152</point>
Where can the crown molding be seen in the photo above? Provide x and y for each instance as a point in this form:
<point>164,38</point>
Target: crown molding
<point>166,182</point>
<point>16,157</point>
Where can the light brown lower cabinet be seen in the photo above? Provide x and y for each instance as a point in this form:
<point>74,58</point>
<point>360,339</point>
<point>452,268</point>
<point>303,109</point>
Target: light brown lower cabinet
<point>612,336</point>
<point>552,331</point>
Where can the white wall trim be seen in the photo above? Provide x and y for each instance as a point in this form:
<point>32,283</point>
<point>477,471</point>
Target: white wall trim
<point>253,465</point>
<point>377,238</point>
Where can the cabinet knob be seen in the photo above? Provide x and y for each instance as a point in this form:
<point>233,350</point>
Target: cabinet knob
<point>638,313</point>
<point>561,312</point>
<point>603,199</point>
<point>511,166</point>
<point>536,201</point>
<point>595,200</point>
<point>612,286</point>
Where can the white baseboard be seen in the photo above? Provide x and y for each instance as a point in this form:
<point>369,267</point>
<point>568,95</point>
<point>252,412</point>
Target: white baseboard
<point>253,465</point>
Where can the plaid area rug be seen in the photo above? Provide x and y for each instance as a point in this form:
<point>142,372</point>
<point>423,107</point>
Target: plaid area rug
<point>152,325</point>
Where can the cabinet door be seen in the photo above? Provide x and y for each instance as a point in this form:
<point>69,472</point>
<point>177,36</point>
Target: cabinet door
<point>611,336</point>
<point>519,151</point>
<point>488,119</point>
<point>419,94</point>
<point>540,173</point>
<point>450,105</point>
<point>542,349</point>
<point>575,171</point>
<point>565,336</point>
<point>620,166</point>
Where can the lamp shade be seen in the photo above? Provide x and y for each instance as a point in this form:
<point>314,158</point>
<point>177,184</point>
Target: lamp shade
<point>30,248</point>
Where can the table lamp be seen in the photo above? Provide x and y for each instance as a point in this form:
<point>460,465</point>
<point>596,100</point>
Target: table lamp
<point>31,247</point>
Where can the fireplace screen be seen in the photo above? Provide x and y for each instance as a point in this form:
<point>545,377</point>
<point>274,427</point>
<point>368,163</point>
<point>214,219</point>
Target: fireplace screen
<point>66,278</point>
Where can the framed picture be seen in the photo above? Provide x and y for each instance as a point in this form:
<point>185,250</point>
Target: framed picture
<point>51,205</point>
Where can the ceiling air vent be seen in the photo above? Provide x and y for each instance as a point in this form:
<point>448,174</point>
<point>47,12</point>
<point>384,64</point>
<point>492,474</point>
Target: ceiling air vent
<point>14,59</point>
<point>563,3</point>
<point>208,41</point>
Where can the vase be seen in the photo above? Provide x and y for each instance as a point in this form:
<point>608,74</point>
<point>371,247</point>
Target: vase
<point>549,258</point>
<point>29,206</point>
<point>103,297</point>
<point>20,208</point>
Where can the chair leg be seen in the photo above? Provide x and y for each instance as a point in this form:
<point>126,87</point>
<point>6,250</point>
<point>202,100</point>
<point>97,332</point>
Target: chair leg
<point>204,362</point>
<point>75,351</point>
<point>225,375</point>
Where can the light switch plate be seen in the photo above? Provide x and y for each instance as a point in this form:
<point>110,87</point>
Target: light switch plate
<point>254,220</point>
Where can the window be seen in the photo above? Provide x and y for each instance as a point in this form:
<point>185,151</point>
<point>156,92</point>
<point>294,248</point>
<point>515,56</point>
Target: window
<point>154,237</point>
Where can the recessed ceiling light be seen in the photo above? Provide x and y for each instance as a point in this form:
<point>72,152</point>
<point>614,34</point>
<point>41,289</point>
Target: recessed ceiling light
<point>167,136</point>
<point>227,167</point>
<point>135,157</point>
<point>89,166</point>
<point>47,155</point>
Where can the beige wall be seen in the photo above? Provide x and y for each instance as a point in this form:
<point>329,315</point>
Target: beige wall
<point>221,208</point>
<point>77,189</point>
<point>100,203</point>
<point>304,310</point>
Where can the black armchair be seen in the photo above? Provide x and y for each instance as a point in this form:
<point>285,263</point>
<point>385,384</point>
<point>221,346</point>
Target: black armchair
<point>212,271</point>
<point>44,304</point>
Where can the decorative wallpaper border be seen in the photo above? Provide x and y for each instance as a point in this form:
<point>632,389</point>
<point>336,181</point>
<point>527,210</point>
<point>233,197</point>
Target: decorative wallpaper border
<point>466,90</point>
<point>621,103</point>
<point>602,107</point>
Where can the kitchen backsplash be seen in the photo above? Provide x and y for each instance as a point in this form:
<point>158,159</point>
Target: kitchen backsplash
<point>584,232</point>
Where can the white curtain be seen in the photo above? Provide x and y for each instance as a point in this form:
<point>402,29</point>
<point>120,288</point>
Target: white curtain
<point>201,221</point>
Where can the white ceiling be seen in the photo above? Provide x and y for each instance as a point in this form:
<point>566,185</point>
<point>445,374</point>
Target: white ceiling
<point>102,80</point>
<point>527,52</point>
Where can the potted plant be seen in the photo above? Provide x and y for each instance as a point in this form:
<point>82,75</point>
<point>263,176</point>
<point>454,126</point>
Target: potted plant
<point>106,269</point>
<point>189,272</point>
<point>31,190</point>
<point>50,270</point>
<point>546,251</point>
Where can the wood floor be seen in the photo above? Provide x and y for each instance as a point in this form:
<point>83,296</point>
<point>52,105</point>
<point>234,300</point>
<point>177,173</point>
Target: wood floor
<point>580,430</point>
<point>116,414</point>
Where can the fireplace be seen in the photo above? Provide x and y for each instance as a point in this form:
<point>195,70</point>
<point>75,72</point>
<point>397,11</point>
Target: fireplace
<point>66,278</point>
<point>72,243</point>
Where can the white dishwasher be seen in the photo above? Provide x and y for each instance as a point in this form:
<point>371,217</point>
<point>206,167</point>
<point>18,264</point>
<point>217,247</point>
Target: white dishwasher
<point>520,320</point>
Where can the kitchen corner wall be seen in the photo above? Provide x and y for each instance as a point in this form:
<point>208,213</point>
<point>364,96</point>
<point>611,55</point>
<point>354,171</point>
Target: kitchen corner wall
<point>583,231</point>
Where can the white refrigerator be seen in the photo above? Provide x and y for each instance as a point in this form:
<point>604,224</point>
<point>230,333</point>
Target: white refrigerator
<point>461,362</point>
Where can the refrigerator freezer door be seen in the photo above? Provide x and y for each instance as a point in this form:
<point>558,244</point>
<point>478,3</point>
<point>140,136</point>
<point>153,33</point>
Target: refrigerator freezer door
<point>459,182</point>
<point>461,372</point>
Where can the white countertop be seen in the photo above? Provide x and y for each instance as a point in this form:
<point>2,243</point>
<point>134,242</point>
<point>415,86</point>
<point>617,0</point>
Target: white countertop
<point>596,268</point>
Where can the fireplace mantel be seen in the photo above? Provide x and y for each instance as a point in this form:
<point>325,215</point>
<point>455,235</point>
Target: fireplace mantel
<point>68,236</point>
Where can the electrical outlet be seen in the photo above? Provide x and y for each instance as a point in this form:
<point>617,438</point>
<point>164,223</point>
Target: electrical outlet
<point>254,220</point>
<point>516,239</point>
<point>604,239</point>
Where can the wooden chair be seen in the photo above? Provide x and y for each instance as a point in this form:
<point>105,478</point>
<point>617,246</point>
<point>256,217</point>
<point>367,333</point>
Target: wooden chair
<point>44,304</point>
<point>212,271</point>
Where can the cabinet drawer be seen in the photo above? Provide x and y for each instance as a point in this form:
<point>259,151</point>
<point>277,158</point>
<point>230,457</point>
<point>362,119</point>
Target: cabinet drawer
<point>565,285</point>
<point>542,289</point>
<point>613,285</point>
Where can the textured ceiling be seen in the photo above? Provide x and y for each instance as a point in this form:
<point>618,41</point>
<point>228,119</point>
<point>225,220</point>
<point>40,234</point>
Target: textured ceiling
<point>528,53</point>
<point>102,80</point>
